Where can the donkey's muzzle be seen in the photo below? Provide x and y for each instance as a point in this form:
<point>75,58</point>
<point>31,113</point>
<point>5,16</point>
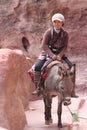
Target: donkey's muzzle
<point>67,101</point>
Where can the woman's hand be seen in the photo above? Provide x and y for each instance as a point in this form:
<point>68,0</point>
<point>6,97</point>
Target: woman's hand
<point>56,57</point>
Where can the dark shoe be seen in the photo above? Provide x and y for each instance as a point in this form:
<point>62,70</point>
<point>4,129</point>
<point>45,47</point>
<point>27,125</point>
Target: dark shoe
<point>37,92</point>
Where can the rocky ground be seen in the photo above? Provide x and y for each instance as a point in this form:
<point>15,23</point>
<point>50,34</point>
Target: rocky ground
<point>35,116</point>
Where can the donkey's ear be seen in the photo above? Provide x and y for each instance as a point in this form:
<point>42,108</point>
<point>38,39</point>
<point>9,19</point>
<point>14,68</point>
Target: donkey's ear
<point>25,43</point>
<point>73,69</point>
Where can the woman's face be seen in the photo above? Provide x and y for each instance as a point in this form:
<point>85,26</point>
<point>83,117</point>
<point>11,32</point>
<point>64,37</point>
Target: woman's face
<point>57,24</point>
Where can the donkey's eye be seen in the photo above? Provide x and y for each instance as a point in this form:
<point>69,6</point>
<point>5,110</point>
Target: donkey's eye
<point>62,88</point>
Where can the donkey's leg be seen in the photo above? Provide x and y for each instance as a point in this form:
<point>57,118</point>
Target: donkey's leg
<point>50,116</point>
<point>47,112</point>
<point>73,73</point>
<point>59,112</point>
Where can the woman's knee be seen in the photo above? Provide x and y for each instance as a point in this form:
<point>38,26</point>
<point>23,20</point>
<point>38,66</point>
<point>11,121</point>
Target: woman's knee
<point>39,64</point>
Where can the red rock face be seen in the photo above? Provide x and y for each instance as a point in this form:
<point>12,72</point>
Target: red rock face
<point>32,18</point>
<point>14,89</point>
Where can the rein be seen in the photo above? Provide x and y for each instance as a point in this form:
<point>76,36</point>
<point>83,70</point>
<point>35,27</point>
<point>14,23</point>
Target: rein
<point>75,116</point>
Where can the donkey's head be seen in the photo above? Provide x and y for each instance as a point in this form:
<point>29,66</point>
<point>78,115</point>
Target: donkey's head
<point>66,84</point>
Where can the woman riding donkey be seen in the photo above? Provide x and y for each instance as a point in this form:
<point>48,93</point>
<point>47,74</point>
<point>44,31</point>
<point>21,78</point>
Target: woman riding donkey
<point>54,44</point>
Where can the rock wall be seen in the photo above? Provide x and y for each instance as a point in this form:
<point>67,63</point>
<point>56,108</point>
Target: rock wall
<point>30,18</point>
<point>14,89</point>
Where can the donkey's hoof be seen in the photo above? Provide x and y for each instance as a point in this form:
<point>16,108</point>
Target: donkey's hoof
<point>47,122</point>
<point>60,125</point>
<point>51,121</point>
<point>74,96</point>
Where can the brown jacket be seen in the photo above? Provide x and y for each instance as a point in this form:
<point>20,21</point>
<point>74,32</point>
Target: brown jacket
<point>49,38</point>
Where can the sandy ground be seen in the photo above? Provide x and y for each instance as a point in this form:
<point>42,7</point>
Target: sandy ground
<point>35,116</point>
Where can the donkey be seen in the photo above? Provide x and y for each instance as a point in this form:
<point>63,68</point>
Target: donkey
<point>57,83</point>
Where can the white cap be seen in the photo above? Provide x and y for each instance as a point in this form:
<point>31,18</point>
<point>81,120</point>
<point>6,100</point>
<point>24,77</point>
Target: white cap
<point>59,17</point>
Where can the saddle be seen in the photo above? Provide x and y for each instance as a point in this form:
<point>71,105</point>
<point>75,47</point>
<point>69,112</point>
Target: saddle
<point>46,67</point>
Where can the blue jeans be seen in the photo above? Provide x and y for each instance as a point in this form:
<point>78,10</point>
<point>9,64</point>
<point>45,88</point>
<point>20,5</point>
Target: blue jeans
<point>39,63</point>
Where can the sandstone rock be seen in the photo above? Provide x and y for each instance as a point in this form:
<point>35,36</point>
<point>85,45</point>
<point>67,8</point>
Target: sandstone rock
<point>31,18</point>
<point>14,89</point>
